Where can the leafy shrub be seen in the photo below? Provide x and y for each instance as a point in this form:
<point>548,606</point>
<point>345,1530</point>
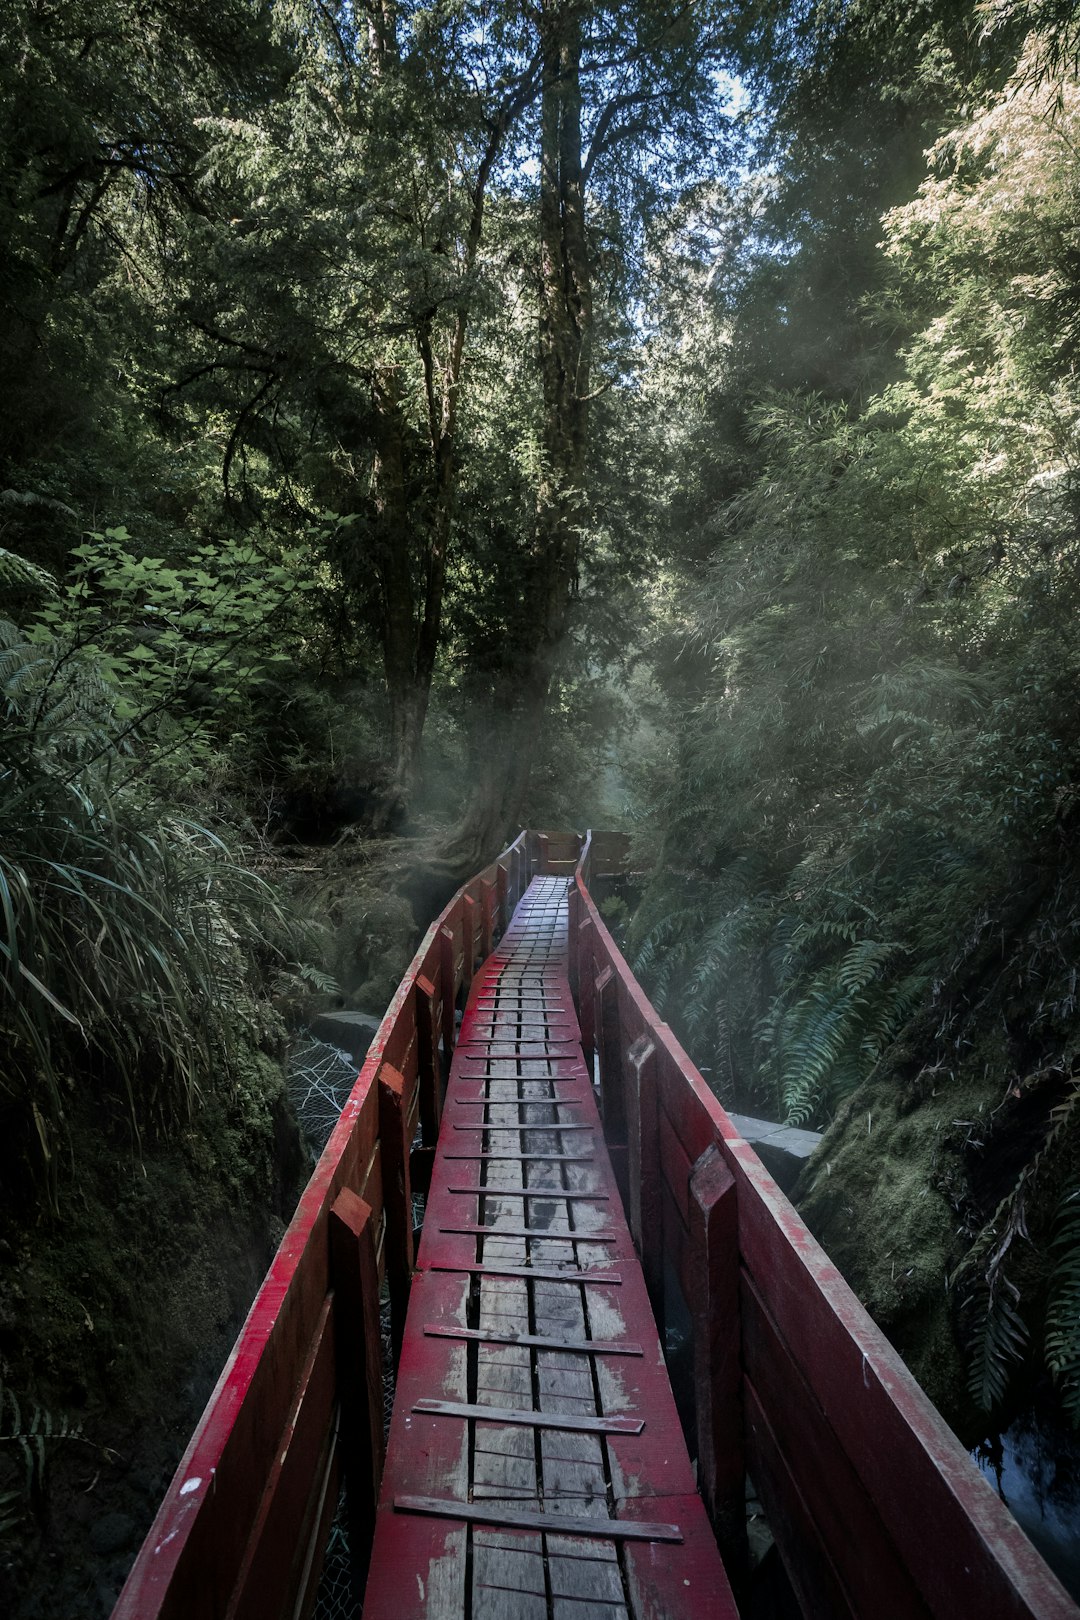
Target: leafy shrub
<point>130,941</point>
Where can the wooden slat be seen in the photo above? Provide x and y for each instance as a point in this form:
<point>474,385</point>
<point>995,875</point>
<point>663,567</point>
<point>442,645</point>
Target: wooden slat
<point>532,1419</point>
<point>566,1524</point>
<point>536,1341</point>
<point>274,1561</point>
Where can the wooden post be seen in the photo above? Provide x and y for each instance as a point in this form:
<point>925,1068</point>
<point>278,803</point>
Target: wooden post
<point>468,921</point>
<point>585,987</point>
<point>501,883</point>
<point>397,1199</point>
<point>449,987</point>
<point>573,969</point>
<point>714,1262</point>
<point>609,1045</point>
<point>487,917</point>
<point>354,1277</point>
<point>643,1169</point>
<point>542,846</point>
<point>427,1052</point>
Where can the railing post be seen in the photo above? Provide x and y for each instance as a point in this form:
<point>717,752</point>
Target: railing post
<point>468,955</point>
<point>449,988</point>
<point>427,1051</point>
<point>542,852</point>
<point>586,977</point>
<point>643,1169</point>
<point>487,917</point>
<point>354,1276</point>
<point>502,878</point>
<point>397,1199</point>
<point>714,1262</point>
<point>573,914</point>
<point>429,1083</point>
<point>609,1045</point>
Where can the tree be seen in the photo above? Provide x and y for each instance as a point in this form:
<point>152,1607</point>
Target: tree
<point>617,84</point>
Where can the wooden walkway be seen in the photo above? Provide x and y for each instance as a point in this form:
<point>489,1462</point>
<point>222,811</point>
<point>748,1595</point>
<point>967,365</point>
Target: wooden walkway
<point>536,1467</point>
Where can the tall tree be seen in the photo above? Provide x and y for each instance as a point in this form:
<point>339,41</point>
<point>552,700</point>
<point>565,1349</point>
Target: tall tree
<point>625,92</point>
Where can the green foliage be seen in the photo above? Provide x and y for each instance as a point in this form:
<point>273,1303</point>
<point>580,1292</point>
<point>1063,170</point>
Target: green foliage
<point>1063,1308</point>
<point>28,1433</point>
<point>129,941</point>
<point>859,804</point>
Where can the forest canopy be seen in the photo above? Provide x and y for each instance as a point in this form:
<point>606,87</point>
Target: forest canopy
<point>424,418</point>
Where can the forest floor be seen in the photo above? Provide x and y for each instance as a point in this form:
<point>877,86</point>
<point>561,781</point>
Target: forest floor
<point>116,1316</point>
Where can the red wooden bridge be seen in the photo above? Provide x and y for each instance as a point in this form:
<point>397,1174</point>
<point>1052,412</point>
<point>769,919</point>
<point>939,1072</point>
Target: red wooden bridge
<point>581,1184</point>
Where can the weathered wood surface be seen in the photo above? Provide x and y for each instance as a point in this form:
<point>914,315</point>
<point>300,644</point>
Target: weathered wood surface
<point>544,1322</point>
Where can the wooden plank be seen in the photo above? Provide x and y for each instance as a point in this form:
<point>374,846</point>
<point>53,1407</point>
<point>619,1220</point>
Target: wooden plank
<point>521,1158</point>
<point>199,1535</point>
<point>964,1552</point>
<point>566,1524</point>
<point>269,1578</point>
<point>806,1559</point>
<point>571,1235</point>
<point>714,1307</point>
<point>536,1341</point>
<point>508,1576</point>
<point>549,1195</point>
<point>448,983</point>
<point>428,1015</point>
<point>355,1275</point>
<point>661,1585</point>
<point>675,1165</point>
<point>560,1126</point>
<point>643,1168</point>
<point>533,1419</point>
<point>395,1137</point>
<point>864,1556</point>
<point>569,1273</point>
<point>609,1047</point>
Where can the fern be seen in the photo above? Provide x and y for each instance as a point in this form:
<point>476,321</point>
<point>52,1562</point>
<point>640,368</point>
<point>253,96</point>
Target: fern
<point>999,1340</point>
<point>1062,1340</point>
<point>826,1039</point>
<point>31,1435</point>
<point>17,573</point>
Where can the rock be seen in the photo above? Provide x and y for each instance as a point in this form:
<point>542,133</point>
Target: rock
<point>112,1533</point>
<point>782,1149</point>
<point>353,1032</point>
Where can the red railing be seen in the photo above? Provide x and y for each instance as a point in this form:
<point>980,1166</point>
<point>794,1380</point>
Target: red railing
<point>876,1508</point>
<point>242,1528</point>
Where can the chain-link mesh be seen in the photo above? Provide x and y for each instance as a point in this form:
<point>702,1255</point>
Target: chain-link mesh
<point>334,1599</point>
<point>320,1078</point>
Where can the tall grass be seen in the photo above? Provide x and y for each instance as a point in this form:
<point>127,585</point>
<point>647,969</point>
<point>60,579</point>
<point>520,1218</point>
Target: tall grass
<point>127,936</point>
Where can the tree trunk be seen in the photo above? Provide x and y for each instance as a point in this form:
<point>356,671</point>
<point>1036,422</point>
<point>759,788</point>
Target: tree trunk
<point>503,756</point>
<point>394,564</point>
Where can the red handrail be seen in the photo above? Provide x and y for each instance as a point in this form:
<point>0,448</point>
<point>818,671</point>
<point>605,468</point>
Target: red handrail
<point>876,1508</point>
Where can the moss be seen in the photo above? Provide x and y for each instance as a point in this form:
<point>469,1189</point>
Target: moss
<point>880,1196</point>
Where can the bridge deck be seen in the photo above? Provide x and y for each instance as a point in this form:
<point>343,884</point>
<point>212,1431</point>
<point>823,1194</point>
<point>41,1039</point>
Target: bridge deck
<point>532,1392</point>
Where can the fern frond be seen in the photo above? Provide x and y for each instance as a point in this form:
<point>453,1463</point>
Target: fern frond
<point>999,1339</point>
<point>1062,1340</point>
